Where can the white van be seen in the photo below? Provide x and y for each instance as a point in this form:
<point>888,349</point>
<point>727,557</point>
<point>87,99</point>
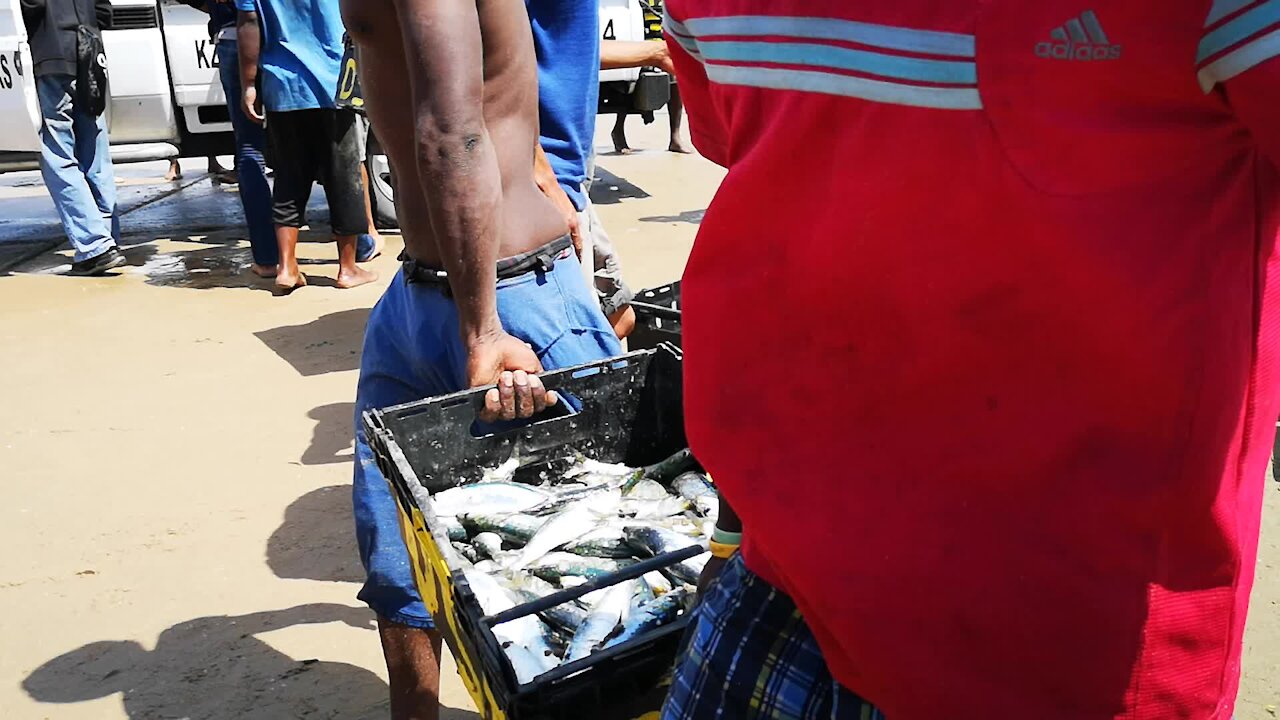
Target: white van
<point>166,99</point>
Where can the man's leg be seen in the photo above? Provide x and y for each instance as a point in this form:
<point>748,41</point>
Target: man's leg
<point>371,244</point>
<point>251,168</point>
<point>412,653</point>
<point>619,134</point>
<point>345,193</point>
<point>294,137</point>
<point>93,152</point>
<point>405,357</point>
<point>219,173</point>
<point>77,207</point>
<point>750,654</point>
<point>368,250</point>
<point>675,113</point>
<point>413,670</point>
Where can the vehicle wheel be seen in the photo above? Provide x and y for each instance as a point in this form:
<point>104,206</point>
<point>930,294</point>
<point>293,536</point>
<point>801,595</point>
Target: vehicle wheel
<point>382,194</point>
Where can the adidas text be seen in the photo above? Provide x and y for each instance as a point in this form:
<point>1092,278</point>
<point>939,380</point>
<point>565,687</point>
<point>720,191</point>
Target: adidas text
<point>1070,51</point>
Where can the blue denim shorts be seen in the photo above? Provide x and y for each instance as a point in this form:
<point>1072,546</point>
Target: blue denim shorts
<point>412,350</point>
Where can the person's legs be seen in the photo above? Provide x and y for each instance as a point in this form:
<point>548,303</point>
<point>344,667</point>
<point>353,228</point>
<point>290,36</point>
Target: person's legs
<point>93,153</point>
<point>90,233</point>
<point>345,192</point>
<point>619,134</point>
<point>675,112</point>
<point>370,244</point>
<point>414,675</point>
<point>251,168</point>
<point>412,652</point>
<point>750,654</point>
<point>219,173</point>
<point>294,136</point>
<point>404,358</point>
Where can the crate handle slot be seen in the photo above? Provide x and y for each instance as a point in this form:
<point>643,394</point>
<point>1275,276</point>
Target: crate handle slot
<point>436,433</point>
<point>630,572</point>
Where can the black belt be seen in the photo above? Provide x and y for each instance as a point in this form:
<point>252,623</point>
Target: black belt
<point>539,259</point>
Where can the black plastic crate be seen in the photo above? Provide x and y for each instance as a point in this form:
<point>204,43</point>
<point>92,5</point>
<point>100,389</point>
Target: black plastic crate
<point>657,317</point>
<point>631,412</point>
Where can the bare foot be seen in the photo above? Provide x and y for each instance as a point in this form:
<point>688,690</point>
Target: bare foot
<point>620,142</point>
<point>288,280</point>
<point>677,146</point>
<point>264,271</point>
<point>355,277</point>
<point>174,172</point>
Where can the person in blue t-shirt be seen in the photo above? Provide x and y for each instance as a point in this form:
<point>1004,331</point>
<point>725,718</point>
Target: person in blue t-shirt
<point>566,39</point>
<point>250,139</point>
<point>291,53</point>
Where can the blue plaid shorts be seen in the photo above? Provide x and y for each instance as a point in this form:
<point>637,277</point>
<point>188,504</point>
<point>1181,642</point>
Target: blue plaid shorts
<point>750,656</point>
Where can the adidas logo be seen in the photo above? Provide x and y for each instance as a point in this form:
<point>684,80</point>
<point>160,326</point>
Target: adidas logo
<point>1079,38</point>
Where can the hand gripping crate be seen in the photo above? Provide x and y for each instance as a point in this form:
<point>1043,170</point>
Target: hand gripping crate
<point>631,412</point>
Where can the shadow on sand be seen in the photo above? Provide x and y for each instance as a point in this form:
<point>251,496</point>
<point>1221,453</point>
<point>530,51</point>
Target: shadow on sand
<point>608,189</point>
<point>330,343</point>
<point>693,217</point>
<point>332,439</point>
<point>316,540</point>
<point>218,667</point>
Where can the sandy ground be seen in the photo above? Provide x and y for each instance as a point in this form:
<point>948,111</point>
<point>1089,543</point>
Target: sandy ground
<point>175,460</point>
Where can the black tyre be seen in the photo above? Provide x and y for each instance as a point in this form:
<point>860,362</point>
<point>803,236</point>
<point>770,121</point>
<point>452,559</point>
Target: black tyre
<point>382,194</point>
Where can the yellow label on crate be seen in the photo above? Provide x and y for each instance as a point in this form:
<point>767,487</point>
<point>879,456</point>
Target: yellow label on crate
<point>432,576</point>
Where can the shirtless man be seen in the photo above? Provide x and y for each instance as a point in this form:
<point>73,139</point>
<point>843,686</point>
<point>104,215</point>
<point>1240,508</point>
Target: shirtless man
<point>451,89</point>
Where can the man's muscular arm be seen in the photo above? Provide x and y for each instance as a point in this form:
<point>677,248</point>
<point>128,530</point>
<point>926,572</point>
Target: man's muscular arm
<point>458,166</point>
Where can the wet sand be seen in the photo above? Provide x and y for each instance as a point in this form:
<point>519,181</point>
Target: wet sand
<point>176,446</point>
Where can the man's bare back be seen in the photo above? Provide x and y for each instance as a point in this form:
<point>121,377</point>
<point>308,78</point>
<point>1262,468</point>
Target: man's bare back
<point>504,58</point>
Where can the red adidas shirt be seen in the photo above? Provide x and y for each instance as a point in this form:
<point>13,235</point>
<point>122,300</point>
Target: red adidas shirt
<point>981,334</point>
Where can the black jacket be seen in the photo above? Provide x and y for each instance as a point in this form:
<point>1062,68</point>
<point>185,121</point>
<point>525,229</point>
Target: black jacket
<point>51,27</point>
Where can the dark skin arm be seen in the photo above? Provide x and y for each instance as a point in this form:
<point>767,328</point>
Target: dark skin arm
<point>249,37</point>
<point>728,521</point>
<point>457,161</point>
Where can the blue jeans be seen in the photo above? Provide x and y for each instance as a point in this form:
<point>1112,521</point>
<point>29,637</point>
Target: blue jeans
<point>412,350</point>
<point>251,169</point>
<point>75,161</point>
